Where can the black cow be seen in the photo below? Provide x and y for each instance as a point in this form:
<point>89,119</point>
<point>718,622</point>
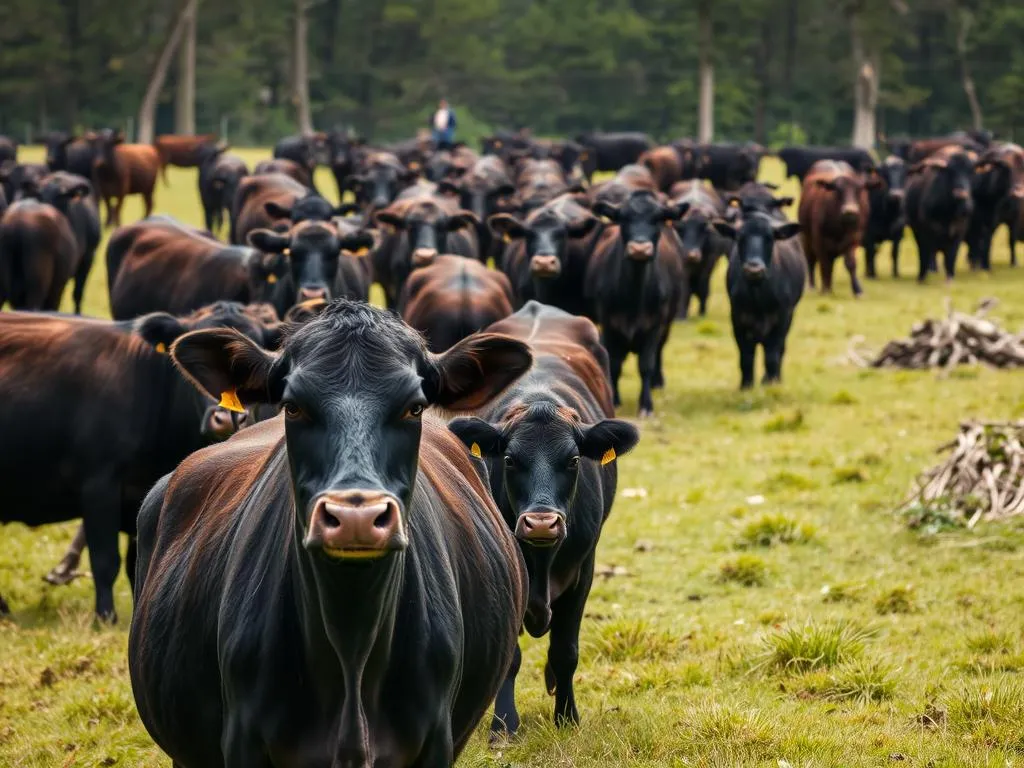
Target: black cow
<point>72,195</point>
<point>334,549</point>
<point>65,152</point>
<point>887,219</point>
<point>765,280</point>
<point>99,401</point>
<point>800,160</point>
<point>219,176</point>
<point>939,207</point>
<point>22,180</point>
<point>702,245</point>
<point>997,190</point>
<point>344,153</point>
<point>485,189</point>
<point>728,166</point>
<point>379,180</point>
<point>610,151</point>
<point>8,150</point>
<point>550,446</point>
<point>633,283</point>
<point>306,150</point>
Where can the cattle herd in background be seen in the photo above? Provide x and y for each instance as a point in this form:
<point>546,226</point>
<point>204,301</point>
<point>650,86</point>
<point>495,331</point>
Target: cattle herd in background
<point>209,336</point>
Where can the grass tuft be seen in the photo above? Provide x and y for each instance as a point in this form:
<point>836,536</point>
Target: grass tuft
<point>786,480</point>
<point>850,474</point>
<point>862,681</point>
<point>629,640</point>
<point>785,421</point>
<point>813,646</point>
<point>745,733</point>
<point>895,601</point>
<point>746,570</point>
<point>843,397</point>
<point>994,702</point>
<point>771,529</point>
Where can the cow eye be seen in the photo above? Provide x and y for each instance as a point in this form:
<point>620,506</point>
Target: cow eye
<point>574,462</point>
<point>414,411</point>
<point>291,410</point>
<point>510,463</point>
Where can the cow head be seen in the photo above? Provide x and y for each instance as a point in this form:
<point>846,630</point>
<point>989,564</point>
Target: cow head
<point>893,175</point>
<point>755,242</point>
<point>546,235</point>
<point>846,189</point>
<point>353,384</point>
<point>312,249</point>
<point>999,173</point>
<point>483,195</point>
<point>105,144</point>
<point>380,183</point>
<point>640,219</point>
<point>427,225</point>
<point>312,207</point>
<point>160,330</point>
<point>695,230</point>
<point>57,150</point>
<point>62,190</point>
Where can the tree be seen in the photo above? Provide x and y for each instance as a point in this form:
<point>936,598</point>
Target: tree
<point>185,103</point>
<point>147,112</point>
<point>865,89</point>
<point>706,109</point>
<point>301,68</point>
<point>965,19</point>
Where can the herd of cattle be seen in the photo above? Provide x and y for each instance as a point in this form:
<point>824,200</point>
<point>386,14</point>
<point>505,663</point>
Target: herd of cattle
<point>288,582</point>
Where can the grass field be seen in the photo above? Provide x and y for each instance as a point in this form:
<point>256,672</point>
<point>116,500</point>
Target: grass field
<point>765,606</point>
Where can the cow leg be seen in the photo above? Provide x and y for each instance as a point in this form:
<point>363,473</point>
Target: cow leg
<point>208,218</point>
<point>506,717</point>
<point>130,560</point>
<point>116,211</point>
<point>564,647</point>
<point>748,348</point>
<point>949,259</point>
<point>1011,232</point>
<point>811,263</point>
<point>241,748</point>
<point>647,363</point>
<point>147,198</point>
<point>850,260</point>
<point>101,507</point>
<point>617,351</point>
<point>870,247</point>
<point>5,609</point>
<point>926,254</point>
<point>438,751</point>
<point>81,275</point>
<point>896,241</point>
<point>774,349</point>
<point>66,570</point>
<point>704,290</point>
<point>684,303</point>
<point>826,264</point>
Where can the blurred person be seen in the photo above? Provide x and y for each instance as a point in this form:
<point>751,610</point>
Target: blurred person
<point>443,125</point>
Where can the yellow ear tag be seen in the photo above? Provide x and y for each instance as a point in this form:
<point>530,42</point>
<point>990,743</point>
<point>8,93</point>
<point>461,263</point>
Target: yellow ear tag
<point>475,450</point>
<point>161,348</point>
<point>609,457</point>
<point>414,166</point>
<point>507,238</point>
<point>229,399</point>
<point>497,145</point>
<point>287,252</point>
<point>271,278</point>
<point>361,251</point>
<point>734,203</point>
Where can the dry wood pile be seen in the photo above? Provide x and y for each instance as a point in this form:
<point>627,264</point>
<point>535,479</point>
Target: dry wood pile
<point>982,479</point>
<point>944,343</point>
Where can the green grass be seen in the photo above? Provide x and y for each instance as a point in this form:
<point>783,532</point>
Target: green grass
<point>672,659</point>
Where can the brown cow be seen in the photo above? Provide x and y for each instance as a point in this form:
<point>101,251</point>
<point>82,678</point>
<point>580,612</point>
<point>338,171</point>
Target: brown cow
<point>284,166</point>
<point>452,298</point>
<point>182,151</point>
<point>120,170</point>
<point>160,265</point>
<point>250,212</point>
<point>39,254</point>
<point>538,182</point>
<point>833,213</point>
<point>668,164</point>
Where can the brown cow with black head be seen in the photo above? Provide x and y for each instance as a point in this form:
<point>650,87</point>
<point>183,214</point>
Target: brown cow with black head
<point>120,170</point>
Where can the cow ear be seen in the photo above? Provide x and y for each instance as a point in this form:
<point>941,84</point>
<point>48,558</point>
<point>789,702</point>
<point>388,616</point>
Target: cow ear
<point>462,219</point>
<point>475,371</point>
<point>358,243</point>
<point>277,211</point>
<point>826,184</point>
<point>159,330</point>
<point>724,228</point>
<point>273,335</point>
<point>481,438</point>
<point>769,185</point>
<point>787,230</point>
<point>268,241</point>
<point>606,209</point>
<point>505,224</point>
<point>782,202</point>
<point>446,187</point>
<point>228,366</point>
<point>346,209</point>
<point>390,218</point>
<point>678,210</point>
<point>607,440</point>
<point>582,227</point>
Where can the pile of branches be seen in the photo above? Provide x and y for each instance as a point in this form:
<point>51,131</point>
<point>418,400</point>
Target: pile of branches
<point>982,479</point>
<point>957,339</point>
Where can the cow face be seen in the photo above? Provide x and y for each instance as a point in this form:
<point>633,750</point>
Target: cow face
<point>57,150</point>
<point>540,448</point>
<point>105,143</point>
<point>547,237</point>
<point>312,207</point>
<point>755,242</point>
<point>694,229</point>
<point>160,330</point>
<point>952,174</point>
<point>427,226</point>
<point>640,219</point>
<point>380,184</point>
<point>353,385</point>
<point>312,250</point>
<point>846,190</point>
<point>480,195</point>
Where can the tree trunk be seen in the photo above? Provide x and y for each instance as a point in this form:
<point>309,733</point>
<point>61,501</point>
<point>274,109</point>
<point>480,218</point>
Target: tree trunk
<point>185,103</point>
<point>865,90</point>
<point>762,61</point>
<point>963,29</point>
<point>147,112</point>
<point>706,110</point>
<point>301,68</point>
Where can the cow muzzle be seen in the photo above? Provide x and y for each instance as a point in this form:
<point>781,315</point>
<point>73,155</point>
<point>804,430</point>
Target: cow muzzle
<point>422,257</point>
<point>541,528</point>
<point>640,251</point>
<point>356,525</point>
<point>850,212</point>
<point>308,293</point>
<point>754,270</point>
<point>220,423</point>
<point>693,256</point>
<point>961,194</point>
<point>545,265</point>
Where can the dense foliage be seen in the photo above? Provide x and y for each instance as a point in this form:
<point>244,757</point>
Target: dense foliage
<point>784,68</point>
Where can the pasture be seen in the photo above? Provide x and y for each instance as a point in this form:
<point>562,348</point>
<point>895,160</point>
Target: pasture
<point>762,605</point>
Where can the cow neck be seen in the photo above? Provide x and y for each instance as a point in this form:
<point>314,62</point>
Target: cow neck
<point>348,614</point>
<point>170,424</point>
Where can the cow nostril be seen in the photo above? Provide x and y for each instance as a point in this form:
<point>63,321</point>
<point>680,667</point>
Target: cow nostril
<point>383,520</point>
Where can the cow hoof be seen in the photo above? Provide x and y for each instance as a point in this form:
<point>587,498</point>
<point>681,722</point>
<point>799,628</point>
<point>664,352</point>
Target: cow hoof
<point>645,413</point>
<point>60,576</point>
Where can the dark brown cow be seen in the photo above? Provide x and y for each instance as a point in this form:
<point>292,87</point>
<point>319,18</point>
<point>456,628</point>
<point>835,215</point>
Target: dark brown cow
<point>633,283</point>
<point>702,246</point>
<point>20,180</point>
<point>335,549</point>
<point>550,446</point>
<point>416,230</point>
<point>250,211</point>
<point>921,148</point>
<point>538,182</point>
<point>617,190</point>
<point>158,265</point>
<point>182,151</point>
<point>452,298</point>
<point>355,264</point>
<point>833,214</point>
<point>120,170</point>
<point>381,176</point>
<point>485,189</point>
<point>94,414</point>
<point>669,164</point>
<point>39,254</point>
<point>280,165</point>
